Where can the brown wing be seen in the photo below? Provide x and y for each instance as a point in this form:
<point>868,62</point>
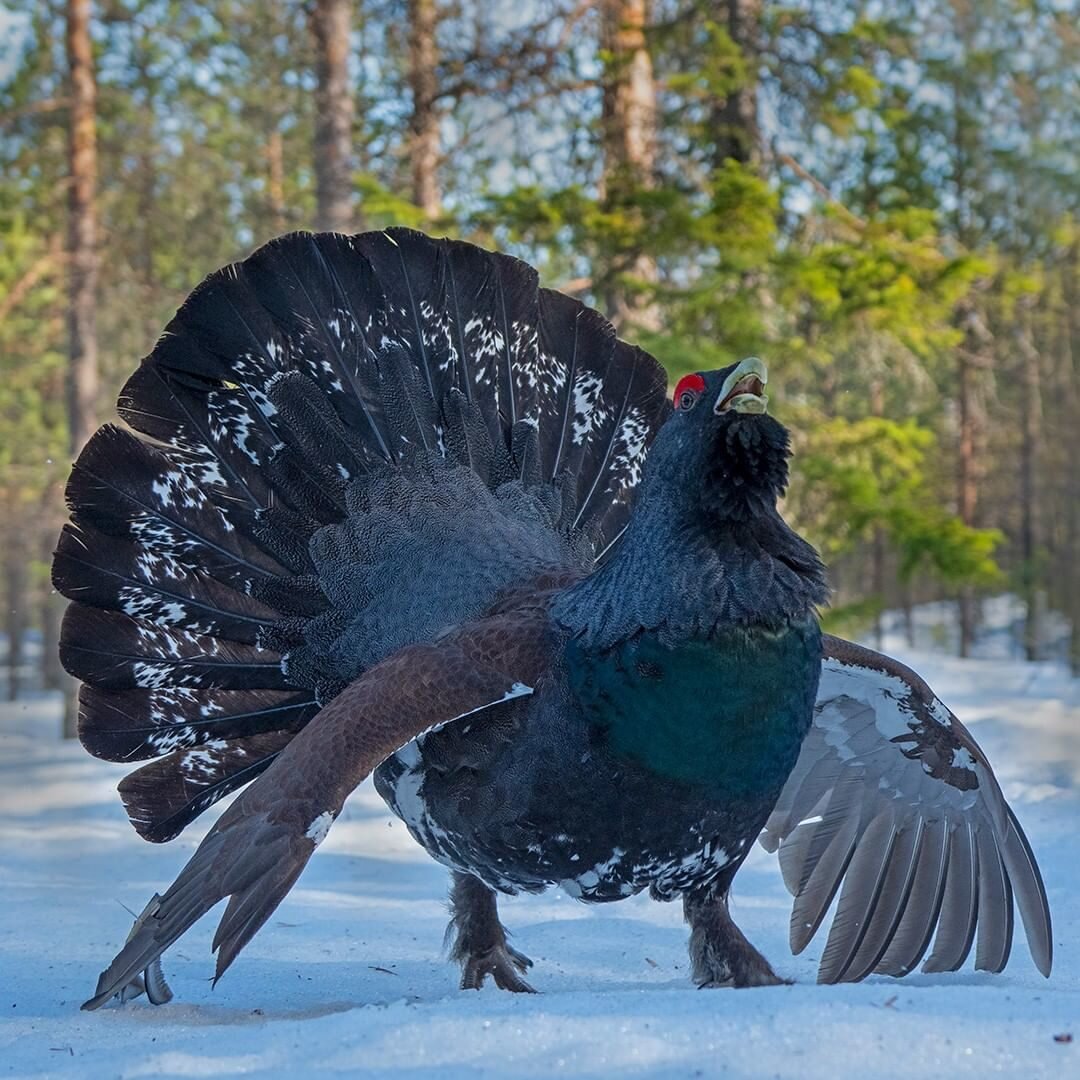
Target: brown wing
<point>894,800</point>
<point>259,846</point>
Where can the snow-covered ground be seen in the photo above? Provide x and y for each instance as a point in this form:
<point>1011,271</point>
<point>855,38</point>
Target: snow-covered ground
<point>348,975</point>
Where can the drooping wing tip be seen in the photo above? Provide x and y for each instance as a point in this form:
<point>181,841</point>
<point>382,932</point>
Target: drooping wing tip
<point>1029,891</point>
<point>963,864</point>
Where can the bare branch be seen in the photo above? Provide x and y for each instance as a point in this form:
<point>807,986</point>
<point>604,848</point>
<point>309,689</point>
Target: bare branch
<point>41,267</point>
<point>33,108</point>
<point>805,174</point>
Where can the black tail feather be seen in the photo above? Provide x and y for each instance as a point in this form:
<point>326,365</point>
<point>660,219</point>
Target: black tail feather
<point>238,554</point>
<point>164,796</point>
<point>133,725</point>
<point>119,652</point>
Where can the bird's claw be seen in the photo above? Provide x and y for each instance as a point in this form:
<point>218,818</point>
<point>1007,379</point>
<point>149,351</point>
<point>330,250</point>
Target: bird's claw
<point>503,963</point>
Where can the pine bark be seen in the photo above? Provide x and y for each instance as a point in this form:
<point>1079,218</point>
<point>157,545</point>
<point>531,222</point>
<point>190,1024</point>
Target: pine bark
<point>82,376</point>
<point>424,135</point>
<point>82,228</point>
<point>1031,416</point>
<point>878,545</point>
<point>331,24</point>
<point>1071,560</point>
<point>971,361</point>
<point>628,144</point>
<point>275,181</point>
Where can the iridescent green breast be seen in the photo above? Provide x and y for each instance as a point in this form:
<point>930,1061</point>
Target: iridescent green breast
<point>727,715</point>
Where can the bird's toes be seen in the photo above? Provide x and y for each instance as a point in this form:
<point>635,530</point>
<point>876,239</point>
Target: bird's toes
<point>754,979</point>
<point>503,964</point>
<point>518,959</point>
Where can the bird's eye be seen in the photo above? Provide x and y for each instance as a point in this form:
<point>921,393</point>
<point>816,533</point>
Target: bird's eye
<point>688,391</point>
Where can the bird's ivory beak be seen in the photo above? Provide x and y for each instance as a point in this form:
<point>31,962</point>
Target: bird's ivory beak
<point>743,389</point>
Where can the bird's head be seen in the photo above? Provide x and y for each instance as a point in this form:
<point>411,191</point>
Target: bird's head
<point>720,450</point>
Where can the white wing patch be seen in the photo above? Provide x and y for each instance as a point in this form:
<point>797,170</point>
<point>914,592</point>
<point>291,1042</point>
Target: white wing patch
<point>318,829</point>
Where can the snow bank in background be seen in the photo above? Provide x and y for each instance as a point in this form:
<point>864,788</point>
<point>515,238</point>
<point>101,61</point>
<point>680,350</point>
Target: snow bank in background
<point>348,975</point>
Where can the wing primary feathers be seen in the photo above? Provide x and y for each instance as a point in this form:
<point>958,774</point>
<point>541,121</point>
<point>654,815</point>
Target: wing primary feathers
<point>863,883</point>
<point>919,920</point>
<point>893,804</point>
<point>815,897</point>
<point>995,931</point>
<point>1030,893</point>
<point>959,906</point>
<point>891,904</point>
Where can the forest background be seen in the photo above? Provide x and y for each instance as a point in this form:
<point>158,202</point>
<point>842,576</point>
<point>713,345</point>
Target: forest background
<point>882,199</point>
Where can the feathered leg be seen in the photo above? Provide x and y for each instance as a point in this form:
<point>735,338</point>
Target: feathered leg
<point>479,939</point>
<point>720,955</point>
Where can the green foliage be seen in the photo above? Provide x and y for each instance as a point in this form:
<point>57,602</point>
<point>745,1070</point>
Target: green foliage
<point>33,433</point>
<point>854,477</point>
<point>914,166</point>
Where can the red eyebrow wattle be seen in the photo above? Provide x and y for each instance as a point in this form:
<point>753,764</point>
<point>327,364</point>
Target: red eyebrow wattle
<point>694,383</point>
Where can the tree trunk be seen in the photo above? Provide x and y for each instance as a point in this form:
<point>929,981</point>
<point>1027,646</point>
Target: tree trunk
<point>628,144</point>
<point>53,676</point>
<point>331,23</point>
<point>424,136</point>
<point>877,408</point>
<point>1071,560</point>
<point>909,615</point>
<point>82,228</point>
<point>275,181</point>
<point>971,360</point>
<point>82,382</point>
<point>737,134</point>
<point>1031,415</point>
<point>14,614</point>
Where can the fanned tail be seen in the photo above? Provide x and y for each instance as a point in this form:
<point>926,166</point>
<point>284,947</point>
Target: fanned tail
<point>317,426</point>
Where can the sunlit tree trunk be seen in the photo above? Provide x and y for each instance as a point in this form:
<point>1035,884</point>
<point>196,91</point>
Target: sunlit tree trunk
<point>82,228</point>
<point>1071,561</point>
<point>971,361</point>
<point>275,181</point>
<point>628,143</point>
<point>82,383</point>
<point>331,24</point>
<point>1030,421</point>
<point>424,135</point>
<point>877,408</point>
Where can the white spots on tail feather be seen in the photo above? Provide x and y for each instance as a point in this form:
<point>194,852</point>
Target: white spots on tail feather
<point>631,439</point>
<point>203,763</point>
<point>169,739</point>
<point>584,405</point>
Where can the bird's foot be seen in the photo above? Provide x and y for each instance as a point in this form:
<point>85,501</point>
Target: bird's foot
<point>479,939</point>
<point>732,961</point>
<point>720,954</point>
<point>503,963</point>
<point>762,975</point>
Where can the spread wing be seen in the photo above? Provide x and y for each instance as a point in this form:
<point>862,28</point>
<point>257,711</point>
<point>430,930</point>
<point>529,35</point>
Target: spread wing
<point>893,800</point>
<point>259,846</point>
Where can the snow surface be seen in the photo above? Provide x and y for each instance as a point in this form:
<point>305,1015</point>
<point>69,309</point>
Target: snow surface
<point>348,976</point>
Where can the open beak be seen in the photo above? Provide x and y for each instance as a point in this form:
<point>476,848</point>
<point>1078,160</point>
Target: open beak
<point>744,388</point>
